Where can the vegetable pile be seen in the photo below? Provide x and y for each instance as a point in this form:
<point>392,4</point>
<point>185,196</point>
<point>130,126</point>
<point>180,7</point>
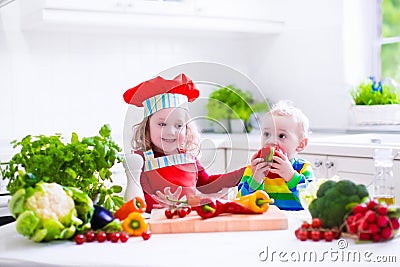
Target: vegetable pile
<point>84,164</point>
<point>373,221</point>
<point>49,211</point>
<point>334,200</point>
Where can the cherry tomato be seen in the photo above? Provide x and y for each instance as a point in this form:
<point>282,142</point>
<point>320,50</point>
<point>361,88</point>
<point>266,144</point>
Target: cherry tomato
<point>316,223</point>
<point>188,210</point>
<point>124,237</point>
<point>305,225</point>
<point>109,235</point>
<point>329,236</point>
<point>169,214</point>
<point>90,236</point>
<point>114,237</point>
<point>146,234</point>
<point>316,235</point>
<point>101,236</point>
<point>80,239</point>
<point>302,234</point>
<point>182,213</point>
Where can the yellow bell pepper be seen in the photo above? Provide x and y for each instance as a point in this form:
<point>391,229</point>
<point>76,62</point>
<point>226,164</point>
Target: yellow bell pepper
<point>258,202</point>
<point>134,224</point>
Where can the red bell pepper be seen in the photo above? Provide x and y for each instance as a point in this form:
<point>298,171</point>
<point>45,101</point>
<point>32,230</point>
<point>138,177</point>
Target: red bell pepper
<point>255,203</point>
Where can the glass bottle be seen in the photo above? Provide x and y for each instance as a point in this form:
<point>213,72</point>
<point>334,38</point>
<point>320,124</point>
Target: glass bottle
<point>383,189</point>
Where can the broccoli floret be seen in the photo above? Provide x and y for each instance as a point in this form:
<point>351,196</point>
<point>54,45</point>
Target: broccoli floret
<point>333,199</point>
<point>324,187</point>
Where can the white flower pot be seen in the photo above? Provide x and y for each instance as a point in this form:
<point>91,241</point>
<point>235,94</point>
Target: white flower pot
<point>376,114</point>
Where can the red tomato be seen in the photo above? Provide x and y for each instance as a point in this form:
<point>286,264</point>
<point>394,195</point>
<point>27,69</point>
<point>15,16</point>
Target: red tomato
<point>182,213</point>
<point>124,237</point>
<point>101,236</point>
<point>169,214</point>
<point>90,236</point>
<point>305,225</point>
<point>114,237</point>
<point>302,234</point>
<point>146,234</point>
<point>316,235</point>
<point>316,223</point>
<point>79,239</point>
<point>329,236</point>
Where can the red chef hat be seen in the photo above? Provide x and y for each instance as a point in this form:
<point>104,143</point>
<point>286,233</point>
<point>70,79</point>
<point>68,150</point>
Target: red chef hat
<point>159,93</point>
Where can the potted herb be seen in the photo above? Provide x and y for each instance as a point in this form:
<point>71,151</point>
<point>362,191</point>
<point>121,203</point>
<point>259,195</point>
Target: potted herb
<point>376,102</point>
<point>233,106</point>
<point>84,164</point>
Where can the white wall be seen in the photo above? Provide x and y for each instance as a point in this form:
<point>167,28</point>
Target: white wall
<point>70,81</point>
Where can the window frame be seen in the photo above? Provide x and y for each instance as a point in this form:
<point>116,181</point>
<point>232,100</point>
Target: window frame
<point>379,40</point>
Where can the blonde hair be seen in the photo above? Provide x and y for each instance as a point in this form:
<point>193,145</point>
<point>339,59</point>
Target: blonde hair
<point>142,141</point>
<point>286,108</point>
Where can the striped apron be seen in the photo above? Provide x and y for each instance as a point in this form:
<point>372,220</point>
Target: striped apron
<point>171,171</point>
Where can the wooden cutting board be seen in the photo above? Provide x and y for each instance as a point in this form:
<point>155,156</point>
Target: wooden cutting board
<point>272,219</point>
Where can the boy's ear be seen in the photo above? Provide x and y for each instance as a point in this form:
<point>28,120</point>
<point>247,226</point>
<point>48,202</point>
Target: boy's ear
<point>303,143</point>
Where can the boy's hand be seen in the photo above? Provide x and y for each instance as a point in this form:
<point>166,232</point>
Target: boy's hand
<point>282,166</point>
<point>259,168</point>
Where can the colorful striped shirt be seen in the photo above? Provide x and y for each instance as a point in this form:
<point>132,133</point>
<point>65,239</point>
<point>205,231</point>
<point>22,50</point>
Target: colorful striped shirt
<point>285,194</point>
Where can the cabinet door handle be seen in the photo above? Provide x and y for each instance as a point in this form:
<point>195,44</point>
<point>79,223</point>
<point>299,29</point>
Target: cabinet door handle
<point>317,163</point>
<point>329,164</point>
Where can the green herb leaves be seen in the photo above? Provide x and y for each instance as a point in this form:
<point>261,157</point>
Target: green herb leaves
<point>82,164</point>
<point>367,94</point>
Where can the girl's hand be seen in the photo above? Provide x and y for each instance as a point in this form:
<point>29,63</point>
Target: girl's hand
<point>168,199</point>
<point>282,166</point>
<point>259,167</point>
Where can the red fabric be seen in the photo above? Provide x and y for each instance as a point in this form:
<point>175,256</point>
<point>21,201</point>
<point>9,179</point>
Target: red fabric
<point>152,181</point>
<point>158,85</point>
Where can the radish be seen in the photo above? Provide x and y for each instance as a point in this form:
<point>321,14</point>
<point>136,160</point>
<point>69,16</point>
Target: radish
<point>382,221</point>
<point>386,233</point>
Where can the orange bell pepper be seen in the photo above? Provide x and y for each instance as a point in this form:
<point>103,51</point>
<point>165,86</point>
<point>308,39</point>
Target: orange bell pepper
<point>258,202</point>
<point>134,224</point>
<point>135,204</point>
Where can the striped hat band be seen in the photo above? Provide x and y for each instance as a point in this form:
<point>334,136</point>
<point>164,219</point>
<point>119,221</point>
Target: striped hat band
<point>162,101</point>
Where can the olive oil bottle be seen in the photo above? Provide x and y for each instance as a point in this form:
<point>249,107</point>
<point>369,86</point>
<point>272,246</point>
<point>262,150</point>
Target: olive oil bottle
<point>383,189</point>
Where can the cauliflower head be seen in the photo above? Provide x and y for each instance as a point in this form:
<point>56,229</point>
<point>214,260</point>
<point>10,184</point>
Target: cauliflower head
<point>48,211</point>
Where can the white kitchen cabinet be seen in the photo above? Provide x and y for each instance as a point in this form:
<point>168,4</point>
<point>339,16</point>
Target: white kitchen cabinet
<point>221,160</point>
<point>155,16</point>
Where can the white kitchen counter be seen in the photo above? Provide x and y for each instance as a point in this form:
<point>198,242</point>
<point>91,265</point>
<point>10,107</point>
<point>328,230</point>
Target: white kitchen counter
<point>198,249</point>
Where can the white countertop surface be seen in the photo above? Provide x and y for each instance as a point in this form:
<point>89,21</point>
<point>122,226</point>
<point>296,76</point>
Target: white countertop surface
<point>248,248</point>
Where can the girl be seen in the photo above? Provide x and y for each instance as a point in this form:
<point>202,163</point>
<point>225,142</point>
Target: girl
<point>169,142</point>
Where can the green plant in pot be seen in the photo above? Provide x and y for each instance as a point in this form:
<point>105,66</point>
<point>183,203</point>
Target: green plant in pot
<point>372,92</point>
<point>376,102</point>
<point>230,103</point>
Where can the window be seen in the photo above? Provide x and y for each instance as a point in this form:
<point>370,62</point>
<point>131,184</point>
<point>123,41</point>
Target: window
<point>389,38</point>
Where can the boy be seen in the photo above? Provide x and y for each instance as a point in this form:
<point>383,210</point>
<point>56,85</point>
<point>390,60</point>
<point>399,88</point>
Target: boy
<point>285,127</point>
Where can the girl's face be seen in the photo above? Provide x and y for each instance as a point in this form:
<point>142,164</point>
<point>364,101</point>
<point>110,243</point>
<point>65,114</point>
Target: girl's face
<point>168,129</point>
<point>285,132</point>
